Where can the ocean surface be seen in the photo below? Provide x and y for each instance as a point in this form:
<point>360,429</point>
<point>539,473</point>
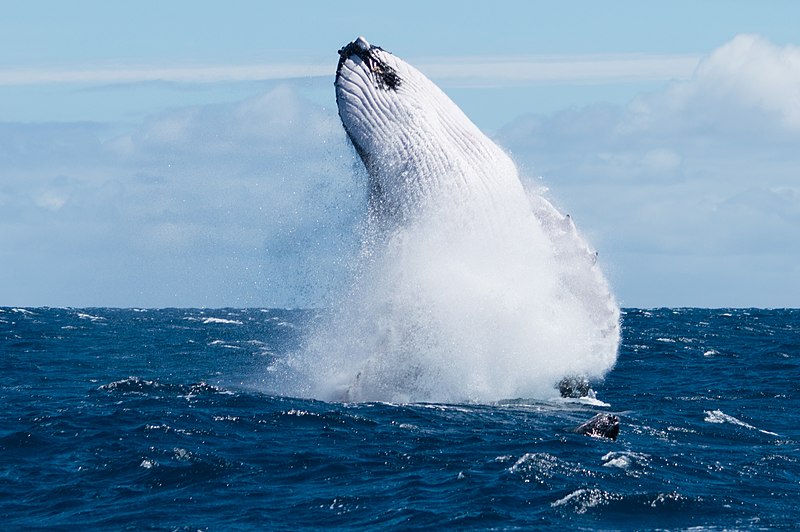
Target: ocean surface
<point>163,419</point>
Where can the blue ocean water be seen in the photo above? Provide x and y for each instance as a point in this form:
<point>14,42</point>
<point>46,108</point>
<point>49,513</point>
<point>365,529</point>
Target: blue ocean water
<point>163,419</point>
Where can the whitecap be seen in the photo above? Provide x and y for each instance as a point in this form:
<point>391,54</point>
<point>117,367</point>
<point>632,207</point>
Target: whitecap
<point>181,454</point>
<point>131,382</point>
<point>539,460</point>
<point>718,416</point>
<point>539,467</point>
<point>624,459</point>
<point>225,418</point>
<point>223,344</point>
<point>592,400</point>
<point>206,321</point>
<point>622,462</point>
<point>301,413</point>
<point>84,316</point>
<point>585,499</point>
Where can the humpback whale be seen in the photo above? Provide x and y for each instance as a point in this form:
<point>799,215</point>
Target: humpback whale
<point>469,285</point>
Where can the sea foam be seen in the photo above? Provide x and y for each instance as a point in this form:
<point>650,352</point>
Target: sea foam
<point>451,308</point>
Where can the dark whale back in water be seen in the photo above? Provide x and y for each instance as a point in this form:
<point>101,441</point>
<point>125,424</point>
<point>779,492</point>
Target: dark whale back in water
<point>574,387</point>
<point>600,426</point>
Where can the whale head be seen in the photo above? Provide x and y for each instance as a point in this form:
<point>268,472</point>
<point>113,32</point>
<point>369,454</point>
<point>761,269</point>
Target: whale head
<point>415,142</point>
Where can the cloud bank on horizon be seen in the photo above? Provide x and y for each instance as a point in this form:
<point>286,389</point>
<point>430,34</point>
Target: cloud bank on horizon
<point>691,193</point>
<point>692,188</point>
<point>467,71</point>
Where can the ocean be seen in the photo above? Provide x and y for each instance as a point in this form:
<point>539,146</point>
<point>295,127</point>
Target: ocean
<point>167,419</point>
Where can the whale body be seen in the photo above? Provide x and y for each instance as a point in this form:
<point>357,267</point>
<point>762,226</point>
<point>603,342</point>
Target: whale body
<point>469,286</point>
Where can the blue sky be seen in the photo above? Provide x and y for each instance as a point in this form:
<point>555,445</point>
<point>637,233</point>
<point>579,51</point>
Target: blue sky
<point>189,153</point>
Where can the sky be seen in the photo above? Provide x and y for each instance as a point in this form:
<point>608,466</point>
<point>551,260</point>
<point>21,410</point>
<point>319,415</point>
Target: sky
<point>188,154</point>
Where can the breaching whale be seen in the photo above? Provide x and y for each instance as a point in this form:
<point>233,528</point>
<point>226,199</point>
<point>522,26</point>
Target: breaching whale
<point>469,286</point>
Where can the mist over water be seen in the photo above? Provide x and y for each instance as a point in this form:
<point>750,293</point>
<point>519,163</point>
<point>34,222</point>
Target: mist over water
<point>473,299</point>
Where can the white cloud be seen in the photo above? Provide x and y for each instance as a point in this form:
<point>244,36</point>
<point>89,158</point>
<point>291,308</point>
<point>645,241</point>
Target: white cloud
<point>704,169</point>
<point>511,70</point>
<point>751,72</point>
<point>748,86</point>
<point>463,71</point>
<point>185,74</point>
<point>49,199</point>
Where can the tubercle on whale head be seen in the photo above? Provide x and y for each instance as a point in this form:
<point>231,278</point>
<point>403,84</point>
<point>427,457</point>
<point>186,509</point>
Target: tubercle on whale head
<point>385,76</point>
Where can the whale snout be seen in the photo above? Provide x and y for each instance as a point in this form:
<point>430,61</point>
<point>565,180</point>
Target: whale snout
<point>359,45</point>
<point>372,59</point>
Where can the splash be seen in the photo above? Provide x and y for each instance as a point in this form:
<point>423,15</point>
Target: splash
<point>447,311</point>
<point>468,286</point>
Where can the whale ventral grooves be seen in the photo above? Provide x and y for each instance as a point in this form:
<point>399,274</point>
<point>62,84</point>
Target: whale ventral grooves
<point>384,75</point>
